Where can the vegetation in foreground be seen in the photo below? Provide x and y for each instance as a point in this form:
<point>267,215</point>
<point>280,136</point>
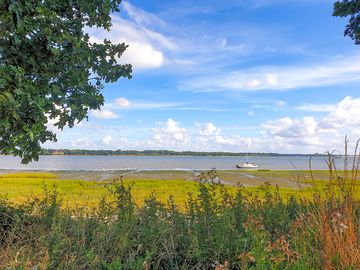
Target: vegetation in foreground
<point>219,228</point>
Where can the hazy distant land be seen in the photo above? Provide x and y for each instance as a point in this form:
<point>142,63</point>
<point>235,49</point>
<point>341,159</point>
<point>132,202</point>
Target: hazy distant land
<point>158,153</point>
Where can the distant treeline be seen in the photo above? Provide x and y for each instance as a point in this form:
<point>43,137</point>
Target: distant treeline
<point>83,152</point>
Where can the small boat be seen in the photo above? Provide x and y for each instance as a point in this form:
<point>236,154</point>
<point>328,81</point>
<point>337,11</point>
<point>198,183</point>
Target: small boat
<point>247,165</point>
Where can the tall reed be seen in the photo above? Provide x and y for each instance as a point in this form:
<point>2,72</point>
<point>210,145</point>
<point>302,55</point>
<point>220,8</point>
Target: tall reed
<point>336,213</point>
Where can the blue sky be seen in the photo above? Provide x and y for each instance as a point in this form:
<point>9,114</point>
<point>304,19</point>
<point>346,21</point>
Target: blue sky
<point>261,76</point>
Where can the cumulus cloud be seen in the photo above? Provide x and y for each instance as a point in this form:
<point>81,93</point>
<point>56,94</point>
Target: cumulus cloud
<point>209,129</point>
<point>143,56</point>
<point>141,53</point>
<point>203,137</point>
<point>310,134</point>
<point>114,143</point>
<point>287,127</point>
<point>210,136</point>
<point>345,114</point>
<point>104,114</point>
<point>171,134</point>
<point>295,135</point>
<point>230,141</point>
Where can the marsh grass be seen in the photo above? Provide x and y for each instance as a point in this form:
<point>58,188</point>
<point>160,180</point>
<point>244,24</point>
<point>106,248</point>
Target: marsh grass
<point>217,228</point>
<point>20,187</point>
<point>336,213</point>
<point>212,226</point>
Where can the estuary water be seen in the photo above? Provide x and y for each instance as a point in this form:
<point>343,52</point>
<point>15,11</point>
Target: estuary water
<point>114,163</point>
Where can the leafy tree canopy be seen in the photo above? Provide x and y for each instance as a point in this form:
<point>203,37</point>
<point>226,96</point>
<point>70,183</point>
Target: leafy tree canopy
<point>350,8</point>
<point>49,68</point>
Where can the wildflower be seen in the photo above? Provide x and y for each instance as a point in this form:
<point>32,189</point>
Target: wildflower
<point>220,266</point>
<point>277,259</point>
<point>343,227</point>
<point>246,256</point>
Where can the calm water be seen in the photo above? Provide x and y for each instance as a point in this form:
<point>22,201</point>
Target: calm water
<point>99,163</point>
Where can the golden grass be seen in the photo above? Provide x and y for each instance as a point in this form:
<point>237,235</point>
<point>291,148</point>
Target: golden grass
<point>20,187</point>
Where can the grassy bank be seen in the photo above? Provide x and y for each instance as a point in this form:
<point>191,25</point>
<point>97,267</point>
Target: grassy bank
<point>47,223</point>
<point>21,187</point>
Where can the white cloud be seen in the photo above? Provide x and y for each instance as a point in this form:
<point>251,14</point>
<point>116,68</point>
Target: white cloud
<point>236,142</point>
<point>122,102</point>
<point>161,40</point>
<point>280,103</point>
<point>125,104</point>
<point>209,129</point>
<point>287,127</point>
<point>286,135</point>
<point>122,141</point>
<point>147,47</point>
<point>295,135</point>
<point>82,143</point>
<point>142,56</point>
<point>205,137</point>
<point>316,107</point>
<point>263,3</point>
<point>210,137</point>
<point>171,134</point>
<point>107,140</point>
<point>281,78</point>
<point>142,17</point>
<point>50,125</point>
<point>273,105</point>
<point>114,143</point>
<point>155,105</point>
<point>315,135</point>
<point>345,114</point>
<point>104,114</point>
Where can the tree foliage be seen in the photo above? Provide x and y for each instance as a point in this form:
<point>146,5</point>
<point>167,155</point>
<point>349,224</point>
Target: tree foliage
<point>350,8</point>
<point>50,68</point>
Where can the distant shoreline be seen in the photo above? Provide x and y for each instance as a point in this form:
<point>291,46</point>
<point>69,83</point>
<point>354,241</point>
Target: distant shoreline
<point>83,152</point>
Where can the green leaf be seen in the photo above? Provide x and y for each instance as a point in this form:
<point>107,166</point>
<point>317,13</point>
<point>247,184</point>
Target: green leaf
<point>48,60</point>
